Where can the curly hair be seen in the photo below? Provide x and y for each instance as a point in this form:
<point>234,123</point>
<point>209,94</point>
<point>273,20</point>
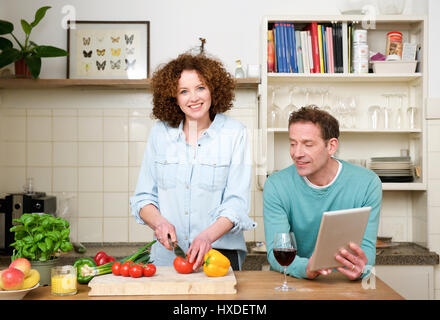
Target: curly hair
<point>211,71</point>
<point>329,125</point>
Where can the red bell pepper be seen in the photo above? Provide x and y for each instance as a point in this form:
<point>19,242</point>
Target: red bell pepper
<point>99,255</point>
<point>102,258</point>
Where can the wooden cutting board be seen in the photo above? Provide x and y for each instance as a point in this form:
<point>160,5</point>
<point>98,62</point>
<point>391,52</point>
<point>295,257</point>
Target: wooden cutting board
<point>165,281</point>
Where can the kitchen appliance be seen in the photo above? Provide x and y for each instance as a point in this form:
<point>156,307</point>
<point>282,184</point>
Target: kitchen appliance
<point>12,206</point>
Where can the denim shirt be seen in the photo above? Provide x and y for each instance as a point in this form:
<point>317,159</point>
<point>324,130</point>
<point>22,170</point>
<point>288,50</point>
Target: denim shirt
<point>192,187</point>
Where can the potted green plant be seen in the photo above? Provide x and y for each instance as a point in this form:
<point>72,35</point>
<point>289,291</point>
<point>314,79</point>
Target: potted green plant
<point>30,54</point>
<point>40,238</point>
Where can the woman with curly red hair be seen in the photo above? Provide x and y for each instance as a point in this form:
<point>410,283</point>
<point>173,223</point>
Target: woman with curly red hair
<point>194,183</point>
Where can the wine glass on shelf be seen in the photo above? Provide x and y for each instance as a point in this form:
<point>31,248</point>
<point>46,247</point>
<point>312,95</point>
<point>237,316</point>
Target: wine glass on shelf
<point>291,107</point>
<point>399,111</point>
<point>387,112</point>
<point>352,111</point>
<point>374,117</point>
<point>306,92</point>
<point>284,251</point>
<point>274,110</point>
<point>325,105</point>
<point>342,112</point>
<point>412,117</point>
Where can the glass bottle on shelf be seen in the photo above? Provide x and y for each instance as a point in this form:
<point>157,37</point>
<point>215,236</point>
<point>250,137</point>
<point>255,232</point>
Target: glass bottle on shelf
<point>274,111</point>
<point>291,107</point>
<point>239,72</point>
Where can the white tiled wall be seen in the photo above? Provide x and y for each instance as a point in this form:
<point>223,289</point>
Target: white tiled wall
<point>434,189</point>
<point>92,154</point>
<point>88,153</point>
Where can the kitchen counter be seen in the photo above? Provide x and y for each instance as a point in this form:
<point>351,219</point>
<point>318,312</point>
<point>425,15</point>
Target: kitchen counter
<point>258,285</point>
<point>406,253</point>
<point>400,253</point>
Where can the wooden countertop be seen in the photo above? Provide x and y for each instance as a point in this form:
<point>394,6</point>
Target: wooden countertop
<point>259,285</point>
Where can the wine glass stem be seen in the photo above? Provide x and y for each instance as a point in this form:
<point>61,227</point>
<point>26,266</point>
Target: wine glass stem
<point>285,277</point>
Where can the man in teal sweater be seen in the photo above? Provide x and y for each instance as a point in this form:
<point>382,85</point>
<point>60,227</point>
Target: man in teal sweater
<point>296,197</point>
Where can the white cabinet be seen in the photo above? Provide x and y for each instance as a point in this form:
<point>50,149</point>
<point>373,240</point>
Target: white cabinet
<point>411,282</point>
<point>359,140</point>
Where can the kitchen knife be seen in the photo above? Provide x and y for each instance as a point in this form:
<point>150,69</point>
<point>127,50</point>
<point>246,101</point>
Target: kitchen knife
<point>177,250</point>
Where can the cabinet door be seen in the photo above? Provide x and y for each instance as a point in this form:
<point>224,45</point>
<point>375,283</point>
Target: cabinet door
<point>411,282</point>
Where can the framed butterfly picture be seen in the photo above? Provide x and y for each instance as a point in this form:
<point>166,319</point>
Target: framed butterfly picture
<point>108,49</point>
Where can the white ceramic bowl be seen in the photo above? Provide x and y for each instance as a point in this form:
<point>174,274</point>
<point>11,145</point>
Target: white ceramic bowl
<point>16,294</point>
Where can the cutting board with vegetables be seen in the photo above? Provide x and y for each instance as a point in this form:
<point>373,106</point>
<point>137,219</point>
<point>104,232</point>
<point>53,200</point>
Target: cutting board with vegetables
<point>166,281</point>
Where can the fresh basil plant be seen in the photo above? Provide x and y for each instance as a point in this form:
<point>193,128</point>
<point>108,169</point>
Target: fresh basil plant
<point>39,236</point>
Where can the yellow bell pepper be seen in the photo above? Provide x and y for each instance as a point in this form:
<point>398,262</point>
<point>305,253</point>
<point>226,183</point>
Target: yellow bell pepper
<point>216,264</point>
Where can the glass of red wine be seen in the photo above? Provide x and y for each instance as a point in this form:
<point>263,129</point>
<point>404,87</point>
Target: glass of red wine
<point>284,251</point>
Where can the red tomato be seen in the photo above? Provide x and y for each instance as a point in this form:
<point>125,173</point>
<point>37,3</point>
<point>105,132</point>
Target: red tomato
<point>99,255</point>
<point>149,270</point>
<point>116,268</point>
<point>125,270</point>
<point>182,265</point>
<point>136,271</point>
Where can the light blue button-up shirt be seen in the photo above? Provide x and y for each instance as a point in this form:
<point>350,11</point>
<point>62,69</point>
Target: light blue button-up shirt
<point>192,187</point>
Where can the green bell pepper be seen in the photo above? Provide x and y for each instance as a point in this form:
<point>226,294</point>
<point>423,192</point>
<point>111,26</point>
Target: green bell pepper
<point>83,267</point>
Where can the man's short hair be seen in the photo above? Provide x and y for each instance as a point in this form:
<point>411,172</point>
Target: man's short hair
<point>329,125</point>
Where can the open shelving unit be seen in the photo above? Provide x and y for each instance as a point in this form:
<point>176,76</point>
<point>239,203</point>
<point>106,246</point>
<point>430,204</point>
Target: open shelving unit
<point>368,88</point>
<point>359,141</point>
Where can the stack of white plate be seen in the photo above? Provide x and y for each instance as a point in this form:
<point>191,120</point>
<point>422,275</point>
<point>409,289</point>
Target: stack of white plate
<point>393,169</point>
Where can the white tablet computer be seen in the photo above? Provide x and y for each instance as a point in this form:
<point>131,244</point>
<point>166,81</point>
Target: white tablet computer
<point>337,230</point>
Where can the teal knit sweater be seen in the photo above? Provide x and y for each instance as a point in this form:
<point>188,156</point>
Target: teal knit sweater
<point>290,204</point>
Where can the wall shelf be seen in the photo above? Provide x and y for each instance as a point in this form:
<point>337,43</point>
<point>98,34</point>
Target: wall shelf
<point>345,77</point>
<point>245,83</point>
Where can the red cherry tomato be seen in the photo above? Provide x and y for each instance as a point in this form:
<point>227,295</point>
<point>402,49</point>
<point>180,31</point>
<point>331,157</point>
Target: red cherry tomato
<point>136,271</point>
<point>99,255</point>
<point>116,268</point>
<point>182,265</point>
<point>125,270</point>
<point>149,270</point>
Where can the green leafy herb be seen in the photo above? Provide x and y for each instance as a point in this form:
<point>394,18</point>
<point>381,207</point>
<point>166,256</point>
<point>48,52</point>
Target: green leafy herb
<point>39,236</point>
